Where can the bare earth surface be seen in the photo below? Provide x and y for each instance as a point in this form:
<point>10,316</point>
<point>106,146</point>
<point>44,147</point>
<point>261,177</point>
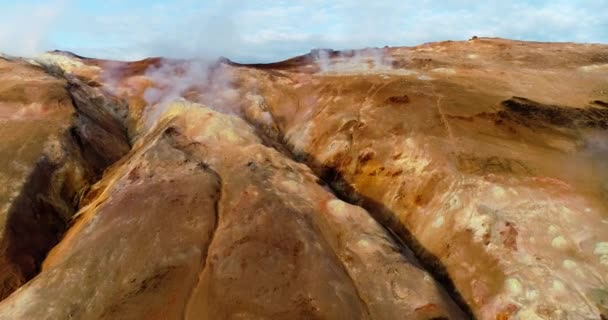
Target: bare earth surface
<point>473,177</point>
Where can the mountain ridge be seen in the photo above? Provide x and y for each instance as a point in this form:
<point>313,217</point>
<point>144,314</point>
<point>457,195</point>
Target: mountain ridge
<point>478,163</point>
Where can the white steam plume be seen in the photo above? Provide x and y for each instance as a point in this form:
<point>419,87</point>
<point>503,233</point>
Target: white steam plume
<point>368,60</point>
<point>198,80</point>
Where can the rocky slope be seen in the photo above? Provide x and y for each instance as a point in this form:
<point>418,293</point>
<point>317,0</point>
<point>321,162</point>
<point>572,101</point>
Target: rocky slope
<point>56,142</point>
<point>201,220</point>
<point>475,171</point>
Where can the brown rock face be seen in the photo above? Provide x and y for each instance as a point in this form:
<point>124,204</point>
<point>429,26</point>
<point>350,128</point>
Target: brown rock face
<point>43,168</point>
<point>493,169</point>
<point>481,164</point>
<point>203,221</point>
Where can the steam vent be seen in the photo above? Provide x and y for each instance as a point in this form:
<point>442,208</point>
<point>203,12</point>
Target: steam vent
<point>452,180</point>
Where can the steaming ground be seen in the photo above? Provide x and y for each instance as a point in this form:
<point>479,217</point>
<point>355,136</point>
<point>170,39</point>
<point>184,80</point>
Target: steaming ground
<point>485,157</point>
<point>204,81</point>
<point>210,82</point>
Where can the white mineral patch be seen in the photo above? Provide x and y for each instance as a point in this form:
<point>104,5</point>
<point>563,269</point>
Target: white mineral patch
<point>569,264</point>
<point>532,294</point>
<point>479,224</point>
<point>498,192</point>
<point>410,143</point>
<point>559,242</point>
<point>29,111</point>
<point>217,126</point>
<point>444,70</point>
<point>54,150</point>
<point>290,186</point>
<point>425,49</point>
<point>553,229</point>
<point>528,314</point>
<point>594,68</point>
<point>266,118</point>
<point>558,286</point>
<point>438,222</point>
<point>414,164</point>
<point>363,243</point>
<point>334,148</point>
<point>371,61</point>
<point>256,99</point>
<point>601,250</point>
<point>528,258</point>
<point>65,63</point>
<point>300,136</point>
<point>514,286</point>
<point>338,207</point>
<point>428,278</point>
<point>354,67</point>
<point>454,203</point>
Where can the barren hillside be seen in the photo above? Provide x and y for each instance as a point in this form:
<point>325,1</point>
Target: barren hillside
<point>451,180</point>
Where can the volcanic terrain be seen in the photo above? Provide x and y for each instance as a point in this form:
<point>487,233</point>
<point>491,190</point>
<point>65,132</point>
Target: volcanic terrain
<point>451,180</point>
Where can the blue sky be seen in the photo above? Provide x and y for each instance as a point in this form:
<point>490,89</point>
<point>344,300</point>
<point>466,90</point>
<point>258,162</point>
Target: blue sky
<point>265,30</point>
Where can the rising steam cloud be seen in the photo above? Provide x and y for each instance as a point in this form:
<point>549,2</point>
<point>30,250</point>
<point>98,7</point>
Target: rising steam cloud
<point>368,60</point>
<point>201,78</point>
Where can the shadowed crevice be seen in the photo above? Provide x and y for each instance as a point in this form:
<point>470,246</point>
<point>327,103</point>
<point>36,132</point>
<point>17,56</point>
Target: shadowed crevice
<point>173,136</point>
<point>331,178</point>
<point>386,218</point>
<point>34,225</point>
<point>40,212</point>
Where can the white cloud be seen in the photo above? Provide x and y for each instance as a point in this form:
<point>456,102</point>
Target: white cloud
<point>24,28</point>
<point>268,30</point>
